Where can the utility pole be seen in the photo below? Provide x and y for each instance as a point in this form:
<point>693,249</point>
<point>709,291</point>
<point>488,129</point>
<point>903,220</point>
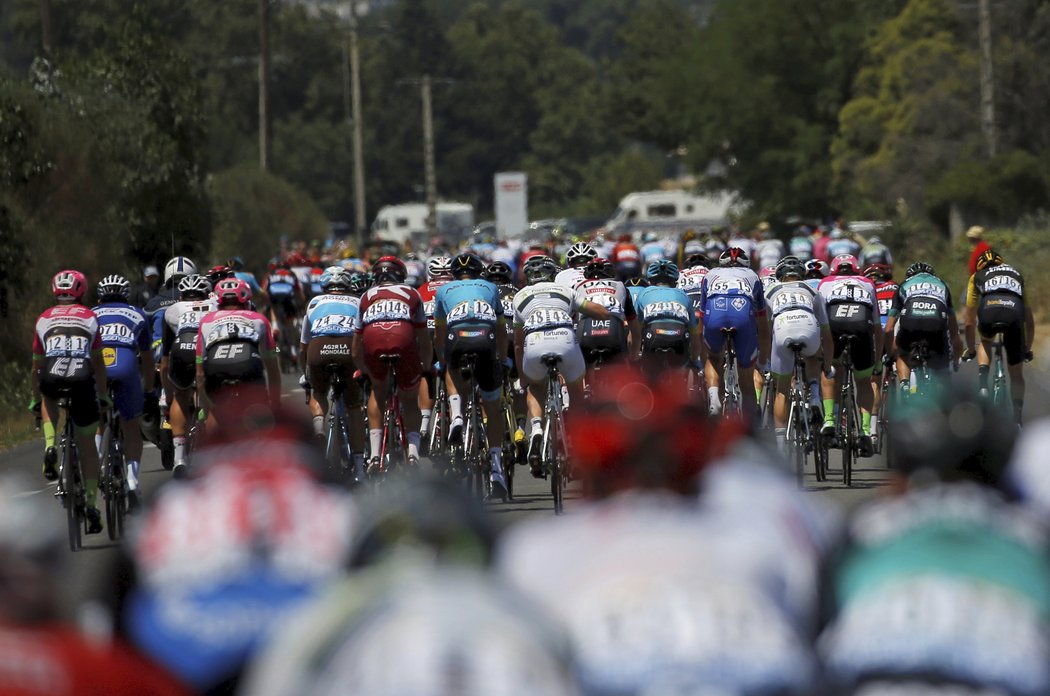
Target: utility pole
<point>359,157</point>
<point>264,85</point>
<point>45,27</point>
<point>428,159</point>
<point>987,78</point>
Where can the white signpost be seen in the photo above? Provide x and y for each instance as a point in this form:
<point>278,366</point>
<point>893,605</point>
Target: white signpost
<point>512,204</point>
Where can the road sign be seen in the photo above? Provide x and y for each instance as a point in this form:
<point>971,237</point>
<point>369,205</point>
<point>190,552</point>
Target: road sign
<point>512,208</point>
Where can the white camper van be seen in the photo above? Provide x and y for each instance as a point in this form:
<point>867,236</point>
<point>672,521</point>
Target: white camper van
<point>676,206</point>
<point>397,223</point>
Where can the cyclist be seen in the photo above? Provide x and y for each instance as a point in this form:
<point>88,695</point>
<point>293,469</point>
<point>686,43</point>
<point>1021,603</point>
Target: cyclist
<point>876,252</point>
<point>944,577</point>
<point>801,244</point>
<point>543,326</point>
<point>217,273</point>
<point>469,319</point>
<point>502,276</point>
<point>731,298</point>
<point>130,369</point>
<point>613,335</point>
<point>179,357</point>
<point>668,322</point>
<point>922,311</point>
<point>439,272</point>
<point>853,312</point>
<point>652,248</point>
<point>691,279</point>
<point>237,264</point>
<point>284,294</point>
<point>885,290</point>
<point>691,244</point>
<point>816,272</point>
<point>391,321</point>
<point>235,346</point>
<point>626,258</point>
<point>770,249</point>
<point>578,256</point>
<point>841,243</point>
<point>995,303</point>
<point>67,357</point>
<point>417,270</point>
<point>313,288</point>
<point>635,285</point>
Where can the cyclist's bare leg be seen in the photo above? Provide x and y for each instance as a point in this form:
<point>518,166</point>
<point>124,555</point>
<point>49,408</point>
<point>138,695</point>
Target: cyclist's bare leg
<point>411,417</point>
<point>713,376</point>
<point>865,399</point>
<point>903,370</point>
<point>747,396</point>
<point>494,428</point>
<point>181,410</point>
<point>780,402</point>
<point>535,395</point>
<point>132,438</point>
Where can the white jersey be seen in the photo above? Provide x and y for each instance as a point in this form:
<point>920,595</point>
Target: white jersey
<point>544,307</point>
<point>570,278</point>
<point>769,252</point>
<point>662,599</point>
<point>610,294</point>
<point>183,318</point>
<point>793,296</point>
<point>691,279</point>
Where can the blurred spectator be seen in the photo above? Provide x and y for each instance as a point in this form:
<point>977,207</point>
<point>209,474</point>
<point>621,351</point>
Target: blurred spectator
<point>39,655</point>
<point>222,556</point>
<point>821,239</point>
<point>944,580</point>
<point>975,236</point>
<point>147,289</point>
<point>419,615</point>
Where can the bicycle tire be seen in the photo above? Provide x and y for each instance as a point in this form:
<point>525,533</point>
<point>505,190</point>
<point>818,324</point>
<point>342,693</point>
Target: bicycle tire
<point>849,437</point>
<point>111,487</point>
<point>72,503</point>
<point>553,465</point>
<point>509,449</point>
<point>797,438</point>
<point>166,445</point>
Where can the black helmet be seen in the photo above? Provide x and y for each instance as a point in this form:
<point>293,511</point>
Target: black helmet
<point>467,264</point>
<point>637,282</point>
<point>498,272</point>
<point>699,259</point>
<point>917,268</point>
<point>540,268</point>
<point>790,266</point>
<point>599,269</point>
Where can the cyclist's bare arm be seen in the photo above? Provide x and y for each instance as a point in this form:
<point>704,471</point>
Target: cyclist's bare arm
<point>594,310</point>
<point>202,396</point>
<point>101,382</point>
<point>34,377</point>
<point>519,353</point>
<point>1029,328</point>
<point>765,341</point>
<point>953,334</point>
<point>634,336</point>
<point>970,326</point>
<point>827,345</point>
<point>357,351</point>
<point>501,338</point>
<point>891,341</point>
<point>439,336</point>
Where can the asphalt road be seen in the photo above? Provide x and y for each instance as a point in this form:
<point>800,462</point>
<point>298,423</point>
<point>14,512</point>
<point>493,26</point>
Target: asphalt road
<point>532,496</point>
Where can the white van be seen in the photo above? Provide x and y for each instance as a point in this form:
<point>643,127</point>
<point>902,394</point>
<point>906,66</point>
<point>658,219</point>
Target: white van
<point>398,223</point>
<point>678,206</point>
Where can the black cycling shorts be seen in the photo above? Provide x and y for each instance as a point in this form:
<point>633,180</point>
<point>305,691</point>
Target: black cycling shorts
<point>283,307</point>
<point>83,404</point>
<point>936,344</point>
<point>232,363</point>
<point>480,340</point>
<point>326,357</point>
<point>606,336</point>
<point>667,338</point>
<point>1004,313</point>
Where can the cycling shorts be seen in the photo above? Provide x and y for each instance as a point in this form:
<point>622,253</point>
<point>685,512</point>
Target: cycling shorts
<point>666,338</point>
<point>746,339</point>
<point>123,375</point>
<point>182,370</point>
<point>328,356</point>
<point>399,339</point>
<point>606,336</point>
<point>561,342</point>
<point>793,326</point>
<point>283,306</point>
<point>862,351</point>
<point>232,363</point>
<point>1004,313</point>
<point>480,340</point>
<point>83,404</point>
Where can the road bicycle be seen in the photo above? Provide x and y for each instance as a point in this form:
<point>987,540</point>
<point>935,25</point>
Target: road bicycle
<point>437,438</point>
<point>555,451</point>
<point>71,490</point>
<point>732,400</point>
<point>513,452</point>
<point>848,423</point>
<point>338,455</point>
<point>921,377</point>
<point>471,453</point>
<point>889,395</point>
<point>394,435</point>
<point>1000,391</point>
<point>112,480</point>
<point>765,400</point>
<point>803,434</point>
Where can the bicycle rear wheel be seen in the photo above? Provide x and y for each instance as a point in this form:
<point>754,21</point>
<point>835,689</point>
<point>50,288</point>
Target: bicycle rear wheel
<point>797,439</point>
<point>113,485</point>
<point>70,483</point>
<point>849,438</point>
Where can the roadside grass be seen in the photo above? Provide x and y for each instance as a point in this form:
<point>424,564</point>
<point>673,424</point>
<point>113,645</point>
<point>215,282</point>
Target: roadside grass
<point>16,423</point>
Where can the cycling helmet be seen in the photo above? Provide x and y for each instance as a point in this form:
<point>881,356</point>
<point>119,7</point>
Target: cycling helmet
<point>233,291</point>
<point>220,272</point>
<point>817,269</point>
<point>359,283</point>
<point>694,260</point>
<point>917,268</point>
<point>389,269</point>
<point>599,269</point>
<point>845,264</point>
<point>650,237</point>
<point>539,268</point>
<point>335,278</point>
<point>662,271</point>
<point>439,267</point>
<point>838,233</point>
<point>69,285</point>
<point>875,239</point>
<point>789,267</point>
<point>734,256</point>
<point>767,272</point>
<point>113,286</point>
<point>989,258</point>
<point>178,268</point>
<point>637,282</point>
<point>236,263</point>
<point>467,264</point>
<point>579,254</point>
<point>878,271</point>
<point>194,285</point>
<point>498,272</point>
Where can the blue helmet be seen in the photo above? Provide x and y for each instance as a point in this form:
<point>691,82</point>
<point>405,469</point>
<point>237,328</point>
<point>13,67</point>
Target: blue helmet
<point>335,277</point>
<point>662,270</point>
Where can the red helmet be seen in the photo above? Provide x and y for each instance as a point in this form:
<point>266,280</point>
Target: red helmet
<point>233,291</point>
<point>390,269</point>
<point>845,264</point>
<point>69,285</point>
<point>879,271</point>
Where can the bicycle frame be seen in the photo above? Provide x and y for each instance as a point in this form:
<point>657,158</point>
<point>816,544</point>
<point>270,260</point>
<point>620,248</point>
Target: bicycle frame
<point>801,435</point>
<point>391,420</point>
<point>112,482</point>
<point>848,422</point>
<point>474,437</point>
<point>732,405</point>
<point>337,445</point>
<point>70,488</point>
<point>439,418</point>
<point>1000,384</point>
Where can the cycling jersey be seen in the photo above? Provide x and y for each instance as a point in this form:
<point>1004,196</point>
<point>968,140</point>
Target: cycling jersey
<point>543,312</point>
<point>313,287</point>
<point>124,336</point>
<point>416,273</point>
<point>181,325</point>
<point>769,252</point>
<point>876,253</point>
<point>468,303</point>
<point>281,285</point>
<point>608,336</point>
<point>731,298</point>
<point>838,247</point>
<point>667,319</point>
<point>949,580</point>
<point>469,311</point>
<point>627,259</point>
<point>248,278</point>
<point>998,294</point>
<point>802,247</point>
<point>652,251</point>
<point>64,339</point>
<point>330,316</point>
<point>231,345</point>
<point>923,304</point>
<point>570,278</point>
<point>302,274</point>
<point>853,311</point>
<point>691,281</point>
<point>885,291</point>
<point>387,320</point>
<point>797,313</point>
<point>428,293</point>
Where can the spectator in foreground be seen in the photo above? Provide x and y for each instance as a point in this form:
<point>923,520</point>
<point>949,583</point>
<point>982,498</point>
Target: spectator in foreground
<point>975,236</point>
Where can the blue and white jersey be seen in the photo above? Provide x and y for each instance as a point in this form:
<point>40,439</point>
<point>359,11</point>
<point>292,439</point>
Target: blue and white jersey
<point>634,291</point>
<point>664,304</point>
<point>468,302</point>
<point>125,333</point>
<point>248,278</point>
<point>802,247</point>
<point>735,286</point>
<point>837,247</point>
<point>330,316</point>
<point>653,251</point>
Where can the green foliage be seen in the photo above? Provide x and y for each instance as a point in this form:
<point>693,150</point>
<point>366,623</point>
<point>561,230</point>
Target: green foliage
<point>254,210</point>
<point>1004,188</point>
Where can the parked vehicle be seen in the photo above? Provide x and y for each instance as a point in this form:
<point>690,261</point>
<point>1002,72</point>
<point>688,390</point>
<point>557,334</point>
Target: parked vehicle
<point>650,207</point>
<point>408,221</point>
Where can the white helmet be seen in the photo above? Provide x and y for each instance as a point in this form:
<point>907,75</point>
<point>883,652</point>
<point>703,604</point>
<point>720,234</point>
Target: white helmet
<point>196,284</point>
<point>179,267</point>
<point>439,267</point>
<point>579,254</point>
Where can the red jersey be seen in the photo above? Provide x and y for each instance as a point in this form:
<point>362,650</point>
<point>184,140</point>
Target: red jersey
<point>427,293</point>
<point>626,252</point>
<point>64,339</point>
<point>884,292</point>
<point>387,307</point>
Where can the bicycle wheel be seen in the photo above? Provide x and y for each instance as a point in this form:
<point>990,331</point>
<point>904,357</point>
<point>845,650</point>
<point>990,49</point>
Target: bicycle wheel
<point>68,465</point>
<point>849,437</point>
<point>552,462</point>
<point>797,438</point>
<point>112,484</point>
